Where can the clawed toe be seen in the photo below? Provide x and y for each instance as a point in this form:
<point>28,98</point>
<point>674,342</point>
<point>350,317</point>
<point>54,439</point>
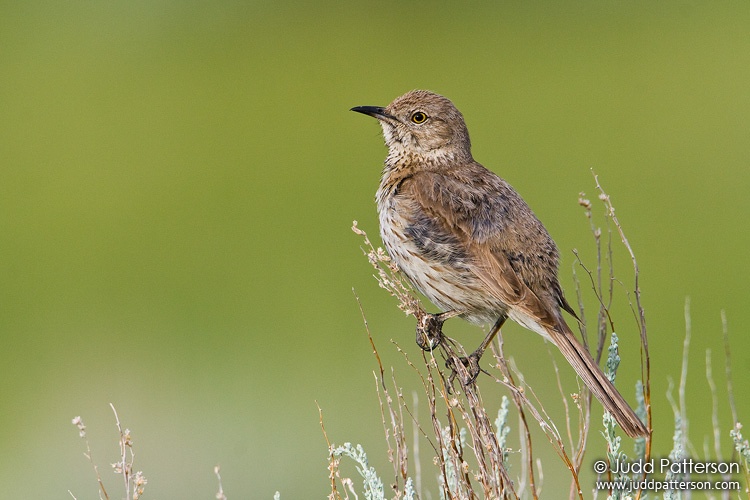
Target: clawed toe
<point>471,368</point>
<point>430,331</point>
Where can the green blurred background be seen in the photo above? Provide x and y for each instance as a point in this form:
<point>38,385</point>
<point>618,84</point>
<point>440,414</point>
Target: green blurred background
<point>178,180</point>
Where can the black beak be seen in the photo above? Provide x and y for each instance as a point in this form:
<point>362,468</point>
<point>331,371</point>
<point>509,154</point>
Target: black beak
<point>374,111</point>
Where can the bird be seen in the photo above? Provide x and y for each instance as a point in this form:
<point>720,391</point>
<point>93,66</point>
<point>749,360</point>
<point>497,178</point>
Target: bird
<point>469,242</point>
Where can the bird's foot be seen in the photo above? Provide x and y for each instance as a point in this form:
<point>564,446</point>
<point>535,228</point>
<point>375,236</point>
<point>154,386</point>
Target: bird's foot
<point>430,330</point>
<point>469,370</point>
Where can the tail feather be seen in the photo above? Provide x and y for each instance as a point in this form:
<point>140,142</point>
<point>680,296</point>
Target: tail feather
<point>597,382</point>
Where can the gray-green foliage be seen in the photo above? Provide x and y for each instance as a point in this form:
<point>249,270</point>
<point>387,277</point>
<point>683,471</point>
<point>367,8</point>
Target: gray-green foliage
<point>614,453</point>
<point>741,445</point>
<point>640,443</point>
<point>451,480</point>
<point>677,454</point>
<point>372,483</point>
<point>501,423</point>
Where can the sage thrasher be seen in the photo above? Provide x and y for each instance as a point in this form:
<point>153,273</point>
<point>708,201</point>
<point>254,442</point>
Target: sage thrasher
<point>468,241</point>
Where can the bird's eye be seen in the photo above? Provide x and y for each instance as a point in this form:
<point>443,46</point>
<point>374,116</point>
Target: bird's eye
<point>419,117</point>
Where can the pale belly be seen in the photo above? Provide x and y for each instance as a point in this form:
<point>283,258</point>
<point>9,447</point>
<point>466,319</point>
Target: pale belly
<point>450,285</point>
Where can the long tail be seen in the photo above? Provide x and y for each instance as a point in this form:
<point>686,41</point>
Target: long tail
<point>597,382</point>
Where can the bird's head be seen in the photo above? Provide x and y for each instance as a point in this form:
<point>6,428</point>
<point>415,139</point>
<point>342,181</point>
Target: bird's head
<point>422,123</point>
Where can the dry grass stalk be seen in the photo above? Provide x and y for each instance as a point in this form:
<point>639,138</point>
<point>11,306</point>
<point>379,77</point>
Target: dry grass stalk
<point>134,482</point>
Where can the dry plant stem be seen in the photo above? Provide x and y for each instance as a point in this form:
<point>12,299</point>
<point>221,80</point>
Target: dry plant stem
<point>428,387</point>
<point>540,474</point>
<point>431,391</point>
<point>686,444</point>
<point>582,433</point>
<point>415,444</point>
<point>396,419</point>
<point>399,435</point>
<point>399,457</point>
<point>684,424</point>
<point>548,426</point>
<point>604,316</point>
<point>436,427</point>
<point>562,396</point>
<point>492,474</point>
<point>78,422</point>
<point>715,419</point>
<point>134,482</point>
<point>540,416</point>
<point>481,431</point>
<point>333,462</point>
<point>583,402</point>
<point>641,317</point>
<point>603,319</point>
<point>454,428</point>
<point>372,344</point>
<point>485,440</point>
<point>730,390</point>
<point>397,427</point>
<point>518,401</point>
<point>400,462</point>
<point>123,454</point>
<point>102,490</point>
<point>683,372</point>
<point>220,495</point>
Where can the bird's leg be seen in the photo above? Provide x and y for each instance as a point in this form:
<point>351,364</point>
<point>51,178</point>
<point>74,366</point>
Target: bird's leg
<point>430,329</point>
<point>471,362</point>
<point>477,354</point>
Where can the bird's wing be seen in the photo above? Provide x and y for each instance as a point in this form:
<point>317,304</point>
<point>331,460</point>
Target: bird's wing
<point>480,222</point>
<point>453,214</point>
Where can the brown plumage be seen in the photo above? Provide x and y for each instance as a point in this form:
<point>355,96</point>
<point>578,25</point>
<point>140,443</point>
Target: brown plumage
<point>468,241</point>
